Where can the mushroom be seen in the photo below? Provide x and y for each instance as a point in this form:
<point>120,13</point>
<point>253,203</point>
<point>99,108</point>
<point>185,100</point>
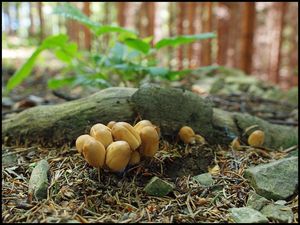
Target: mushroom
<point>256,138</point>
<point>80,142</point>
<point>150,141</point>
<point>144,123</point>
<point>101,133</point>
<point>187,135</point>
<point>118,155</point>
<point>94,152</point>
<point>111,124</point>
<point>235,144</point>
<point>135,158</point>
<point>123,131</point>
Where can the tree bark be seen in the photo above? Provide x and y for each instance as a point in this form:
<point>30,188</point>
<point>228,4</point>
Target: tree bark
<point>278,13</point>
<point>87,32</point>
<point>41,19</point>
<point>191,18</point>
<point>31,27</point>
<point>180,31</point>
<point>168,108</point>
<point>223,29</point>
<point>150,11</point>
<point>207,27</point>
<point>122,7</point>
<point>248,22</point>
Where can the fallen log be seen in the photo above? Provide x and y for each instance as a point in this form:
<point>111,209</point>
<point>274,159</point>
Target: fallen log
<point>169,108</point>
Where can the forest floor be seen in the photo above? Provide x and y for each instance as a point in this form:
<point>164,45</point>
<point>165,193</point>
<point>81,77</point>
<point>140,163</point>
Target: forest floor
<point>77,193</point>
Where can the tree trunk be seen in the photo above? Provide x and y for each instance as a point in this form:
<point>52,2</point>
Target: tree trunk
<point>122,7</point>
<point>73,29</point>
<point>31,28</point>
<point>87,32</point>
<point>150,12</point>
<point>191,18</point>
<point>223,29</point>
<point>278,12</point>
<point>180,31</point>
<point>248,24</point>
<point>293,52</point>
<point>168,108</point>
<point>41,19</point>
<point>207,27</point>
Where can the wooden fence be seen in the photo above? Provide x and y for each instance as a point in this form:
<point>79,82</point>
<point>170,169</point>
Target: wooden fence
<point>260,38</point>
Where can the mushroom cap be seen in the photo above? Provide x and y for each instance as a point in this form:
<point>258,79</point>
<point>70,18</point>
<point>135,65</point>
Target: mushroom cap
<point>118,155</point>
<point>187,135</point>
<point>150,141</point>
<point>256,138</point>
<point>80,142</point>
<point>111,124</point>
<point>235,144</point>
<point>101,133</point>
<point>135,158</point>
<point>123,131</point>
<point>94,152</point>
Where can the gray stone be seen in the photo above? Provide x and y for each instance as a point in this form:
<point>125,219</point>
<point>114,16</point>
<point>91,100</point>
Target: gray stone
<point>9,160</point>
<point>247,215</point>
<point>38,183</point>
<point>256,201</point>
<point>279,213</point>
<point>158,187</point>
<point>204,179</point>
<point>276,180</point>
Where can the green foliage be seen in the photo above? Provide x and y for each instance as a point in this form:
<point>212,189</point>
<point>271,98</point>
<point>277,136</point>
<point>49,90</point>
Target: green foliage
<point>128,59</point>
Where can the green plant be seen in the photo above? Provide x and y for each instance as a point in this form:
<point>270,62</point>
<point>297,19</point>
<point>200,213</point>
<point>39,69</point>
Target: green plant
<point>128,58</point>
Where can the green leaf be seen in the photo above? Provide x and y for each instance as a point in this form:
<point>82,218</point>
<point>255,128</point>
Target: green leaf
<point>55,41</point>
<point>184,39</point>
<point>63,56</point>
<point>107,29</point>
<point>138,44</point>
<point>24,71</point>
<point>60,82</point>
<point>68,10</point>
<point>158,71</point>
<point>175,75</point>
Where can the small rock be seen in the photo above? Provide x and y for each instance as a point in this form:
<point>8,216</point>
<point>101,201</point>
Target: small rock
<point>276,180</point>
<point>247,215</point>
<point>158,187</point>
<point>280,213</point>
<point>280,202</point>
<point>204,179</point>
<point>9,160</point>
<point>38,183</point>
<point>256,201</point>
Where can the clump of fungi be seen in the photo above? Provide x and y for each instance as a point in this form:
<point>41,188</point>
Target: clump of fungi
<point>118,144</point>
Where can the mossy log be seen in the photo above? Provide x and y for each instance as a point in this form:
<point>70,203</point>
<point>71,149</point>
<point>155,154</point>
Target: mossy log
<point>169,108</point>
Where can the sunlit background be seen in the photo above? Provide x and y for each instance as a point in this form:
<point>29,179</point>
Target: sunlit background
<point>258,38</point>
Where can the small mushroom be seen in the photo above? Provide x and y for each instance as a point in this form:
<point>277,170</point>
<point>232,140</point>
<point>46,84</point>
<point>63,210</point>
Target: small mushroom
<point>256,138</point>
<point>150,141</point>
<point>187,135</point>
<point>101,133</point>
<point>144,123</point>
<point>118,155</point>
<point>94,152</point>
<point>111,124</point>
<point>235,144</point>
<point>123,131</point>
<point>135,158</point>
<point>80,142</point>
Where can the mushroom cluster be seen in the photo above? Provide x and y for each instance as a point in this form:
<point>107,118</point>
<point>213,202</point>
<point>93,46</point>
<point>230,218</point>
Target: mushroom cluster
<point>118,144</point>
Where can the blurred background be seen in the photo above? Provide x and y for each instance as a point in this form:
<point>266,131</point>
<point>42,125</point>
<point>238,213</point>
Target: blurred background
<point>259,38</point>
